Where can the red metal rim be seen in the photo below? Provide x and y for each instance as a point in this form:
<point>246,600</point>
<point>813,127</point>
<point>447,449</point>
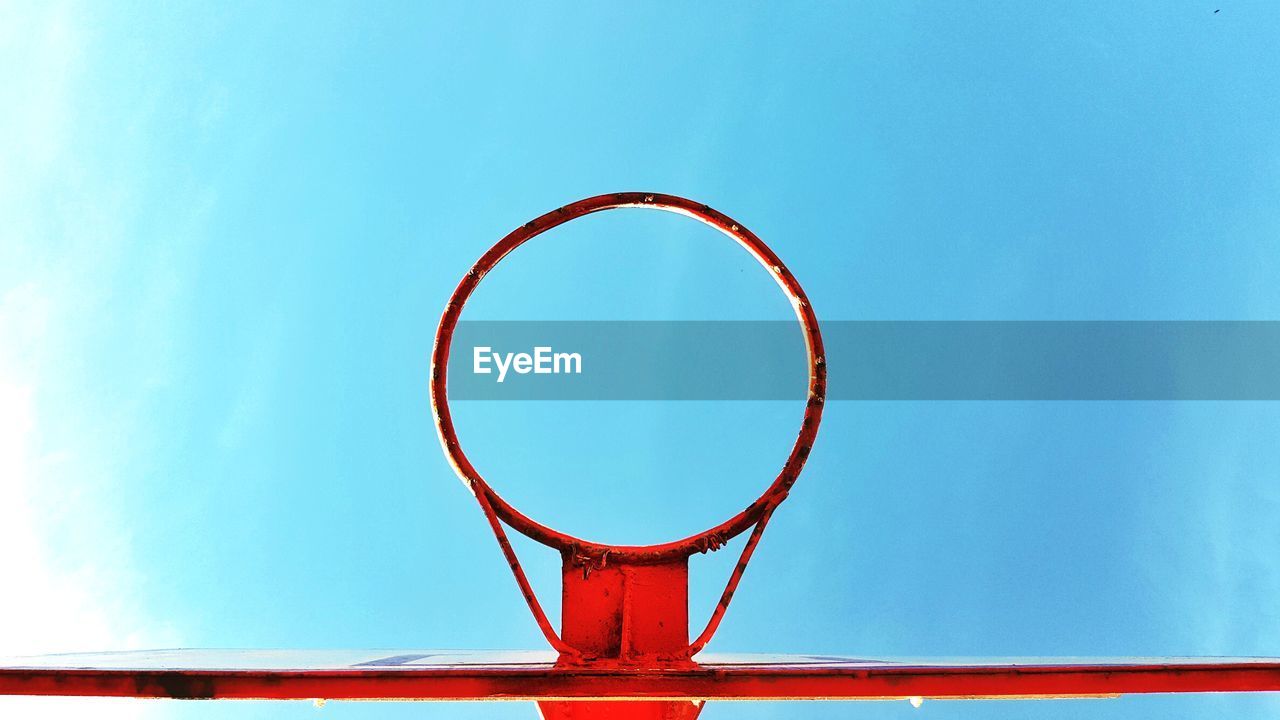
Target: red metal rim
<point>709,539</point>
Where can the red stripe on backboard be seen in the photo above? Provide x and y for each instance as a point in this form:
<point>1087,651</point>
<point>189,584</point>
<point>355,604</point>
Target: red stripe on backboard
<point>772,679</point>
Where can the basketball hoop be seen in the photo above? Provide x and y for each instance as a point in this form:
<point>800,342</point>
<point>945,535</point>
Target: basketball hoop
<point>622,602</point>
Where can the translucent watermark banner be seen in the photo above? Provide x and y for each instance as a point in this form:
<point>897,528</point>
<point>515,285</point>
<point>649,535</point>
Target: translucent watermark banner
<point>867,360</point>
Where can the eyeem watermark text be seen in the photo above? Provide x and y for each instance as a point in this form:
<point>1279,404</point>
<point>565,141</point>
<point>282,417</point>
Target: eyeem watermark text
<point>543,361</point>
<point>1219,360</point>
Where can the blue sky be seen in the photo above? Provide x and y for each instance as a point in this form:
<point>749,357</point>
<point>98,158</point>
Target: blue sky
<point>228,233</point>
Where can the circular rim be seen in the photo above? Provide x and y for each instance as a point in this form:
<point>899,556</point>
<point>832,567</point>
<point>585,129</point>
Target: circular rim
<point>707,540</point>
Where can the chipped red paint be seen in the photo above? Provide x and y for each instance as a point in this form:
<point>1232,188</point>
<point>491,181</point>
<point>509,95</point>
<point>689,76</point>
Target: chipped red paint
<point>855,680</point>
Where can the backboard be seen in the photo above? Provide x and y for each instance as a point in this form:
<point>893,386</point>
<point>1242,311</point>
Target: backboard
<point>623,646</point>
